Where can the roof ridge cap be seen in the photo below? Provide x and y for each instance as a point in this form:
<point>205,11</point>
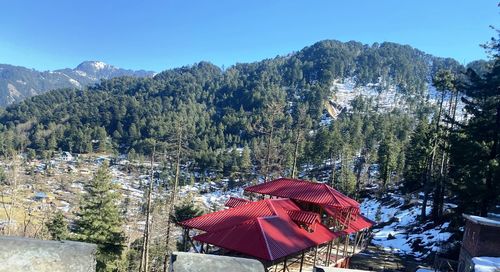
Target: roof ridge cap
<point>265,239</point>
<point>270,205</point>
<point>330,191</point>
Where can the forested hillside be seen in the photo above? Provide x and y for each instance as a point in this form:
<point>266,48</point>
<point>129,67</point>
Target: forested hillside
<point>259,120</point>
<point>18,83</point>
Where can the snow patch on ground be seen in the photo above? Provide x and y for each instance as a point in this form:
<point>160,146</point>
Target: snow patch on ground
<point>212,197</point>
<point>346,90</point>
<point>74,82</point>
<point>398,230</point>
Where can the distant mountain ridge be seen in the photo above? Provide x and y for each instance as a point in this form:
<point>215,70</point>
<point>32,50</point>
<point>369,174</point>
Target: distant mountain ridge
<point>18,83</point>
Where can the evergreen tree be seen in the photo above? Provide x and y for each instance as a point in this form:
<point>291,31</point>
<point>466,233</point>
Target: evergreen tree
<point>347,178</point>
<point>57,226</point>
<point>185,211</point>
<point>99,220</point>
<point>387,157</point>
<point>475,144</point>
<point>417,153</point>
<point>245,161</point>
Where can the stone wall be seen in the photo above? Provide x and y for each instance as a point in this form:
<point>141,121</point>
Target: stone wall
<point>195,262</point>
<point>25,254</point>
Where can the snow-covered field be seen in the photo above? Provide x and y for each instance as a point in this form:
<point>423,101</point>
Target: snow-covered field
<point>399,231</point>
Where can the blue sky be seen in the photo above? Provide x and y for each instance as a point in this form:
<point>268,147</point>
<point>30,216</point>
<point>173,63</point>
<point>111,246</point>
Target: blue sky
<point>156,35</point>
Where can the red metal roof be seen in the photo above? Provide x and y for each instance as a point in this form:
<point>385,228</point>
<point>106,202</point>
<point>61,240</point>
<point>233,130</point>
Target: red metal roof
<point>234,202</point>
<point>303,217</point>
<point>317,193</point>
<point>233,216</point>
<point>359,224</point>
<point>267,238</point>
<point>270,229</point>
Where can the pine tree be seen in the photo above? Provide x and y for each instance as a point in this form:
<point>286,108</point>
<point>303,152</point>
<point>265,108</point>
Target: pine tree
<point>445,82</point>
<point>245,161</point>
<point>99,220</point>
<point>347,178</point>
<point>57,226</point>
<point>387,157</point>
<point>102,137</point>
<point>475,148</point>
<point>417,153</point>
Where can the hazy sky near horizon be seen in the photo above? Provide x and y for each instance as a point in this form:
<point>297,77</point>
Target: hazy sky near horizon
<point>156,35</point>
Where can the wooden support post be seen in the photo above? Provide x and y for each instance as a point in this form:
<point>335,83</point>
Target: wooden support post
<point>360,240</point>
<point>330,254</point>
<point>355,243</point>
<point>325,259</point>
<point>194,247</point>
<point>337,253</point>
<point>315,255</point>
<point>301,261</point>
<point>184,239</point>
<point>344,253</point>
<point>284,265</point>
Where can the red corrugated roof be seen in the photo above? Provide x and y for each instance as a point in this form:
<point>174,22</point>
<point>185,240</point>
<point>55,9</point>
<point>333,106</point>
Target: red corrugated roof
<point>341,213</point>
<point>303,216</point>
<point>267,238</point>
<point>233,216</point>
<point>359,224</point>
<point>269,229</point>
<point>234,202</point>
<point>317,193</point>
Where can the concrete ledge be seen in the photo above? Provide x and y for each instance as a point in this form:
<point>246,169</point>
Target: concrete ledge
<point>25,254</point>
<point>195,262</point>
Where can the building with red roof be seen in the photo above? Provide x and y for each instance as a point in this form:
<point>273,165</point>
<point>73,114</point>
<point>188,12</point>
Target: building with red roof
<point>272,232</point>
<point>313,196</point>
<point>306,191</point>
<point>278,230</point>
<point>234,202</point>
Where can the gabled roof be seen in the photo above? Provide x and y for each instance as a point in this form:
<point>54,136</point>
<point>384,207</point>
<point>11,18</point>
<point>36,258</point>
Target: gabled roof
<point>267,238</point>
<point>303,217</point>
<point>234,202</point>
<point>359,224</point>
<point>233,216</point>
<point>317,193</point>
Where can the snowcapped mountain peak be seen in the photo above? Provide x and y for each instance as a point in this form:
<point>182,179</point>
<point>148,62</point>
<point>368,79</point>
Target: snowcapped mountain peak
<point>96,70</point>
<point>99,65</point>
<point>93,66</point>
<point>20,82</point>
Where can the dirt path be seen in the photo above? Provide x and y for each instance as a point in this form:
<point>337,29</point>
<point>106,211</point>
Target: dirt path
<point>374,258</point>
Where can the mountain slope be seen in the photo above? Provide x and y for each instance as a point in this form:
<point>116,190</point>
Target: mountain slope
<point>18,83</point>
<point>225,106</point>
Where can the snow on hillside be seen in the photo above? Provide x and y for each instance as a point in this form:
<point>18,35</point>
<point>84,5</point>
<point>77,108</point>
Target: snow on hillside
<point>385,96</point>
<point>211,195</point>
<point>399,231</point>
<point>346,90</point>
